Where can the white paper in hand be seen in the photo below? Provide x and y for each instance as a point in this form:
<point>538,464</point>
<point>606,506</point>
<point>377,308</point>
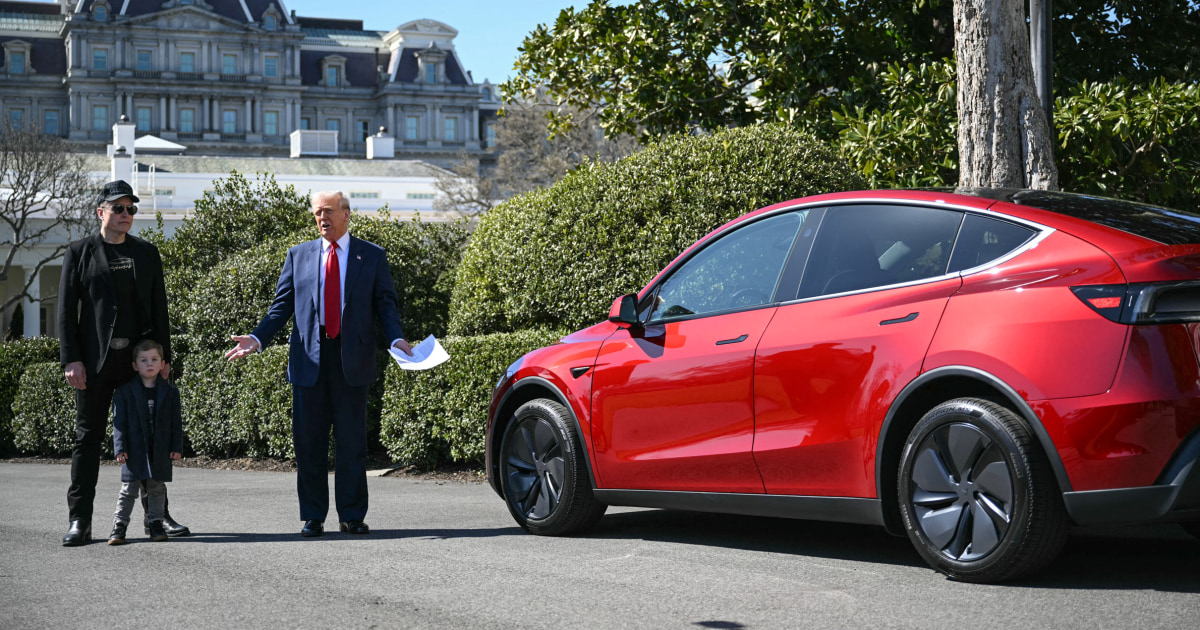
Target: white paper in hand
<point>429,353</point>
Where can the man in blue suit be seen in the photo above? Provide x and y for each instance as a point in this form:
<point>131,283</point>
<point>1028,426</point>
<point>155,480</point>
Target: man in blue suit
<point>335,288</point>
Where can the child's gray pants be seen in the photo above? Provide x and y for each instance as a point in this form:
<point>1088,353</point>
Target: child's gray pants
<point>156,498</point>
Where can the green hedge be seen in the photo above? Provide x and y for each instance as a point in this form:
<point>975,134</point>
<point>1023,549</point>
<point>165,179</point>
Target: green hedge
<point>234,295</point>
<point>15,357</point>
<point>239,408</point>
<point>44,412</point>
<point>436,416</point>
<point>557,257</point>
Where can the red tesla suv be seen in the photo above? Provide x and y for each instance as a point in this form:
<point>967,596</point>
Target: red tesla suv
<point>976,369</point>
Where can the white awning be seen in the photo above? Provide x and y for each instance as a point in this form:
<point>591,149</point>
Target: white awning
<point>154,143</point>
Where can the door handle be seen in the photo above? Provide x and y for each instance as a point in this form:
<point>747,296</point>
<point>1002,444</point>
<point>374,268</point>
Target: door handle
<point>899,320</point>
<point>734,340</point>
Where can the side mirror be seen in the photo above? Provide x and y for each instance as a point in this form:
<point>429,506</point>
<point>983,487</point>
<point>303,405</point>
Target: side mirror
<point>624,311</point>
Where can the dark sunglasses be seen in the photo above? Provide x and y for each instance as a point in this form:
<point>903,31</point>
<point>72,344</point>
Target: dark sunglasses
<point>118,209</point>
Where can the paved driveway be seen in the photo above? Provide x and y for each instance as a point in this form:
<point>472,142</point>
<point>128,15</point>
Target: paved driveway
<point>447,555</point>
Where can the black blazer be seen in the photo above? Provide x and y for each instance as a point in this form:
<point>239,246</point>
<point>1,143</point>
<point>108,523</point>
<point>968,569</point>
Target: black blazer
<point>87,302</point>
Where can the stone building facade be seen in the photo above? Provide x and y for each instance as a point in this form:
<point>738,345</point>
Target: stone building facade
<point>237,77</point>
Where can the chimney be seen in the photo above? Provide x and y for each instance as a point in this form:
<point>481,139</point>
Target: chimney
<point>123,132</point>
<point>122,165</point>
<point>381,146</point>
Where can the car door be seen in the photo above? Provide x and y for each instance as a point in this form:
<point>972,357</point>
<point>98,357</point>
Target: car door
<point>830,363</point>
<point>672,401</point>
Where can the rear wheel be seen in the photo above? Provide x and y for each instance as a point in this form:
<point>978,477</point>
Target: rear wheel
<point>977,495</point>
<point>544,474</point>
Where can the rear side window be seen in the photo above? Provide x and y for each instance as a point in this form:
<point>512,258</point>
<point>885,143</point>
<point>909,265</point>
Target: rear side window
<point>984,239</point>
<point>863,247</point>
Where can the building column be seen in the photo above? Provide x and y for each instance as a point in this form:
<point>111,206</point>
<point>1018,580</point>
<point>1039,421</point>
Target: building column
<point>204,112</point>
<point>249,126</point>
<point>474,125</point>
<point>172,106</point>
<point>434,113</point>
<point>391,120</point>
<point>32,308</point>
<point>162,111</point>
<point>295,62</point>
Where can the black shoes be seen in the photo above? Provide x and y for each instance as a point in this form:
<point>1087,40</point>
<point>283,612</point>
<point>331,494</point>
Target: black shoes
<point>78,534</point>
<point>117,537</point>
<point>157,532</point>
<point>355,527</point>
<point>313,528</point>
<point>173,529</point>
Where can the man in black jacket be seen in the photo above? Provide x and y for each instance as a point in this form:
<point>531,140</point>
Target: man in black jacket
<point>111,296</point>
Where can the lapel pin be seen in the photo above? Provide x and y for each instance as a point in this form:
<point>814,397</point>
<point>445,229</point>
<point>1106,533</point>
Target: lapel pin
<point>359,257</point>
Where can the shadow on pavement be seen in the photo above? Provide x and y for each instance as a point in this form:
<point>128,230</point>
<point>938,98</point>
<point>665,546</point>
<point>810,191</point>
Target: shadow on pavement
<point>336,536</point>
<point>1161,557</point>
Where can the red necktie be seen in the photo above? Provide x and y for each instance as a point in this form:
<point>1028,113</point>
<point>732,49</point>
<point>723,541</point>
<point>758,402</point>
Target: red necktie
<point>333,294</point>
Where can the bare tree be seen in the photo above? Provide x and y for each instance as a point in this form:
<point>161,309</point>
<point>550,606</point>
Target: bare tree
<point>526,158</point>
<point>1003,135</point>
<point>45,200</point>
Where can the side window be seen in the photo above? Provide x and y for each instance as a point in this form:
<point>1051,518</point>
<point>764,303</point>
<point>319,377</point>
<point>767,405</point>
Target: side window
<point>863,247</point>
<point>738,270</point>
<point>984,239</point>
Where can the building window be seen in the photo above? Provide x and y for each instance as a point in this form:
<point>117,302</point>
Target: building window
<point>331,76</point>
<point>362,194</point>
<point>363,125</point>
<point>271,66</point>
<point>271,123</point>
<point>412,127</point>
<point>187,120</point>
<point>491,135</point>
<point>16,63</point>
<point>229,64</point>
<point>419,196</point>
<point>99,117</point>
<point>143,60</point>
<point>16,117</point>
<point>187,62</point>
<point>269,23</point>
<point>229,121</point>
<point>487,94</point>
<point>143,119</point>
<point>306,123</point>
<point>431,73</point>
<point>164,192</point>
<point>100,13</point>
<point>50,122</point>
<point>100,59</point>
<point>451,129</point>
<point>333,124</point>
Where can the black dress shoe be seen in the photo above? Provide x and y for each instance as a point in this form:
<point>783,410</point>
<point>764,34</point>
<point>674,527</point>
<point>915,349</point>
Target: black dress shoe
<point>313,528</point>
<point>79,534</point>
<point>172,528</point>
<point>355,527</point>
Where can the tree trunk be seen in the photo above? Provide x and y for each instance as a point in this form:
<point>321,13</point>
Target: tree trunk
<point>1003,136</point>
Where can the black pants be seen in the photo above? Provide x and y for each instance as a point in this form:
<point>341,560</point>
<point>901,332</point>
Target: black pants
<point>92,406</point>
<point>330,402</point>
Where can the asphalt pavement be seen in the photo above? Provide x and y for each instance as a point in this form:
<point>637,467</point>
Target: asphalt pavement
<point>448,555</point>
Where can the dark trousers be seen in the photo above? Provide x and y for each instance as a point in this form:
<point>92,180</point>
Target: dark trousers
<point>331,402</point>
<point>92,406</point>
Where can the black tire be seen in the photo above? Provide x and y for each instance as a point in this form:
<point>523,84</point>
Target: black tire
<point>1192,528</point>
<point>544,474</point>
<point>977,494</point>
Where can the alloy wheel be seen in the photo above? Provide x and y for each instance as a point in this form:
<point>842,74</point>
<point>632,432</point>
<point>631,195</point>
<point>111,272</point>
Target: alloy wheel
<point>962,491</point>
<point>534,468</point>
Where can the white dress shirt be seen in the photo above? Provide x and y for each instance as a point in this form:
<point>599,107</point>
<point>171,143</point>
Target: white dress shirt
<point>343,246</point>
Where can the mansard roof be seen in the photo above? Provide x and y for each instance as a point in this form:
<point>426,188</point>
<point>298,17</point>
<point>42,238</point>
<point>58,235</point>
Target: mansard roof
<point>244,11</point>
<point>31,17</point>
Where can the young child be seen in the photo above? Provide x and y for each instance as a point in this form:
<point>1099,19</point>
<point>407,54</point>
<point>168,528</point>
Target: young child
<point>147,437</point>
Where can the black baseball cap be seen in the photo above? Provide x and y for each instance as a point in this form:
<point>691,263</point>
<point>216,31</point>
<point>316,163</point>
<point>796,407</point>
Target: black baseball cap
<point>113,191</point>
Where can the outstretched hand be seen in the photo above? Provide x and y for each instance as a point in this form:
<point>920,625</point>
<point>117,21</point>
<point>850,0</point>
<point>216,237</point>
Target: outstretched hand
<point>245,345</point>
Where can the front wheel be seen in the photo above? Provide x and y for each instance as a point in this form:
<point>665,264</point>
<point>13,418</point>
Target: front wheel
<point>544,474</point>
<point>977,496</point>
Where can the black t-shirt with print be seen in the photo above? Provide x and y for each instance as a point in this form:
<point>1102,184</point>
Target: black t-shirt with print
<point>121,266</point>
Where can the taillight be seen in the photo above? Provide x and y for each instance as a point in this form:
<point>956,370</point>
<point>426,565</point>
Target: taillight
<point>1144,302</point>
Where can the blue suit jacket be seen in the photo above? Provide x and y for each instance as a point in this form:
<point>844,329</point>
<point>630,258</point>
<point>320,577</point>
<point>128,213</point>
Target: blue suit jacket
<point>369,295</point>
